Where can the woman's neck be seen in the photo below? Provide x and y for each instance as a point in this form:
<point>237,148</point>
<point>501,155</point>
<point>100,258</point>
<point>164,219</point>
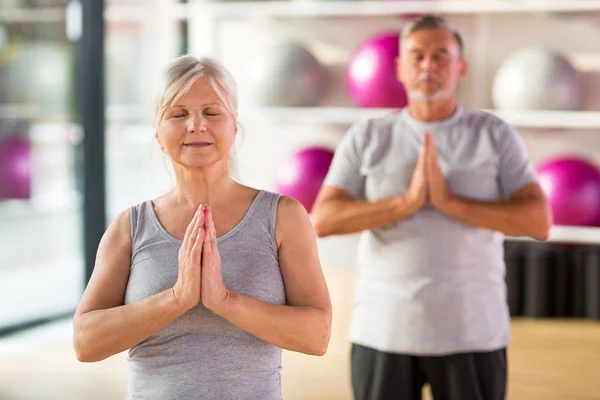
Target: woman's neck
<point>195,186</point>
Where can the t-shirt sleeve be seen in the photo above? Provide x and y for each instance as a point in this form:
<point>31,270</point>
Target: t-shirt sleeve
<point>516,168</point>
<point>345,169</point>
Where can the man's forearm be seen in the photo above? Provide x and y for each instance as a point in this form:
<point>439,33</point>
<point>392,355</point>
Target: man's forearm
<point>527,217</point>
<point>338,217</point>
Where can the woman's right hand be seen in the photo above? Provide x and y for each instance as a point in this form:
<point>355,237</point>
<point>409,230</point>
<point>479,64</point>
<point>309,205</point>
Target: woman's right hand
<point>187,289</point>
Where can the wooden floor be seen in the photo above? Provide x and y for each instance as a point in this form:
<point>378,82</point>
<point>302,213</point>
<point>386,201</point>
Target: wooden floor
<point>547,360</point>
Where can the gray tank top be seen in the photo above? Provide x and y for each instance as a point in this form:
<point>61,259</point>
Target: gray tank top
<point>201,355</point>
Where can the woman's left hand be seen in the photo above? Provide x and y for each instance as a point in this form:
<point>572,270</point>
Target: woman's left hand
<point>214,292</point>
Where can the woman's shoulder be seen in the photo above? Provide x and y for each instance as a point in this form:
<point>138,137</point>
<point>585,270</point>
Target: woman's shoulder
<point>119,228</point>
<point>292,219</point>
<point>290,207</point>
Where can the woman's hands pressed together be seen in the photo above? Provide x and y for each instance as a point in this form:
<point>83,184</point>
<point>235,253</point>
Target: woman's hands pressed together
<point>200,265</point>
<point>214,292</point>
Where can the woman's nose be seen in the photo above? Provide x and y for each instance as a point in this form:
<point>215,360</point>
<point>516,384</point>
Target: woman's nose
<point>196,123</point>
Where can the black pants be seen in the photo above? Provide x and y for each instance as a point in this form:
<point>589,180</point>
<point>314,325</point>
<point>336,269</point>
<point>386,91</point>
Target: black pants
<point>468,376</point>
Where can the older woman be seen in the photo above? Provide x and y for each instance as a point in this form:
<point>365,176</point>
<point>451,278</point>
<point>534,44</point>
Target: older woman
<point>206,284</point>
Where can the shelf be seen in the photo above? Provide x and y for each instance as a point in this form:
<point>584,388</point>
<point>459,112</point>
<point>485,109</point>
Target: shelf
<point>349,115</point>
<point>568,234</point>
<point>550,119</point>
<point>307,8</point>
<point>316,8</point>
<point>137,116</point>
<point>310,115</point>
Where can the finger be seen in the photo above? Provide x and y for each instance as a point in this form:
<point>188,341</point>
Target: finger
<point>196,251</point>
<point>189,229</point>
<point>190,232</point>
<point>425,145</point>
<point>431,153</point>
<point>428,165</point>
<point>208,221</point>
<point>212,224</point>
<point>199,224</point>
<point>427,142</point>
<point>213,248</point>
<point>213,242</point>
<point>423,150</point>
<point>207,254</point>
<point>207,239</point>
<point>431,144</point>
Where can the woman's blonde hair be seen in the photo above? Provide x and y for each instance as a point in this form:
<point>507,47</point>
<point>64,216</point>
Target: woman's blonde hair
<point>179,76</point>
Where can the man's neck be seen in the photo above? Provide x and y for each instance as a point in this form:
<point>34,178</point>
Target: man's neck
<point>432,111</point>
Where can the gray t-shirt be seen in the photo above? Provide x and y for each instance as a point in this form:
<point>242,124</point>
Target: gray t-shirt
<point>429,284</point>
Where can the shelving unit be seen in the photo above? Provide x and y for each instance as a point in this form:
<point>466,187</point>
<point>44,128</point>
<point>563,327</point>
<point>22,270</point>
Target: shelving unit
<point>349,115</point>
<point>135,113</point>
<point>208,15</point>
<point>215,12</point>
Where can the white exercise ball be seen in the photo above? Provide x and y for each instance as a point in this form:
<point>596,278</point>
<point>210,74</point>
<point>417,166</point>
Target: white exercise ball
<point>537,79</point>
<point>285,75</point>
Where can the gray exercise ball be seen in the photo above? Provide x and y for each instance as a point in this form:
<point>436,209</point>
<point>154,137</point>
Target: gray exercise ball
<point>537,79</point>
<point>286,75</point>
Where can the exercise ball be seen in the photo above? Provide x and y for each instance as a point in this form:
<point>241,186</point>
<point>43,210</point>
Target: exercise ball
<point>572,186</point>
<point>301,175</point>
<point>15,168</point>
<point>286,75</point>
<point>371,78</point>
<point>537,79</point>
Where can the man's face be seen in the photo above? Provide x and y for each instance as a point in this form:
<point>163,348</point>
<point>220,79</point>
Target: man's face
<point>430,65</point>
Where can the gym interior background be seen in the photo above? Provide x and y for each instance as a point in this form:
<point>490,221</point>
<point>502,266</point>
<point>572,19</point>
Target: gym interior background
<point>76,148</point>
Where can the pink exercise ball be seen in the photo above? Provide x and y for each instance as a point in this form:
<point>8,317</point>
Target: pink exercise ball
<point>371,78</point>
<point>301,175</point>
<point>572,185</point>
<point>15,168</point>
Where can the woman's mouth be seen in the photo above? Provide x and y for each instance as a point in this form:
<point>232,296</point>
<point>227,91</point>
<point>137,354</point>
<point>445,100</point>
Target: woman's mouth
<point>197,144</point>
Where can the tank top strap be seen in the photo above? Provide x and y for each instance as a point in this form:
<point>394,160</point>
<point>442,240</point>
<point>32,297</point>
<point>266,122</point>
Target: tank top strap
<point>134,213</point>
<point>269,202</point>
<point>143,227</point>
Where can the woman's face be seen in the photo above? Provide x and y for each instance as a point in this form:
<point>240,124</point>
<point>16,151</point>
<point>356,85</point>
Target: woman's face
<point>198,131</point>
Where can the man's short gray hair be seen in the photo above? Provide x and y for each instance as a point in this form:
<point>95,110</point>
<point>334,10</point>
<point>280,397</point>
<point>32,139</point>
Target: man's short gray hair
<point>429,21</point>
